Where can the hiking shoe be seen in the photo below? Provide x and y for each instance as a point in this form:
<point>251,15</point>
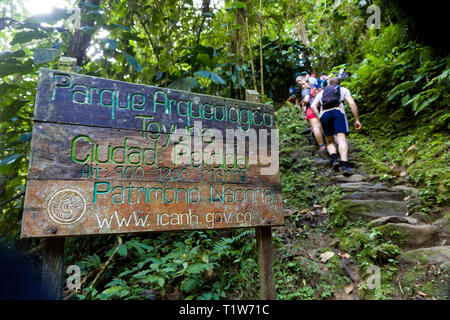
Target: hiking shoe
<point>347,172</point>
<point>306,131</point>
<point>335,165</point>
<point>323,153</point>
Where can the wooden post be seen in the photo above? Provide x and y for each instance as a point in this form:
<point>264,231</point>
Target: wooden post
<point>52,268</point>
<point>53,259</point>
<point>263,242</point>
<point>266,281</point>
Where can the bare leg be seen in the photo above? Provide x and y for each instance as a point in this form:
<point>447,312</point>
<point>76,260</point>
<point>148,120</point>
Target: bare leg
<point>330,145</point>
<point>316,129</point>
<point>343,147</point>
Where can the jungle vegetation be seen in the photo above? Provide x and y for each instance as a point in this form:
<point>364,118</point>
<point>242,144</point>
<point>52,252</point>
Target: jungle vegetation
<point>399,79</point>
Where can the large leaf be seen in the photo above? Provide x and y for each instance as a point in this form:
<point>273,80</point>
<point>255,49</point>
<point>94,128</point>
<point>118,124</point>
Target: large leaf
<point>90,5</point>
<point>112,26</point>
<point>5,88</point>
<point>132,60</point>
<point>44,55</point>
<point>7,68</point>
<point>27,36</point>
<point>112,44</point>
<point>10,159</point>
<point>205,59</point>
<point>7,55</point>
<point>185,84</point>
<point>214,77</point>
<point>25,137</point>
<point>131,36</point>
<point>11,110</point>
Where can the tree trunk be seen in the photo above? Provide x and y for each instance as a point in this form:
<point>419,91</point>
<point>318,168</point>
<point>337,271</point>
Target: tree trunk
<point>255,87</point>
<point>80,40</point>
<point>261,60</point>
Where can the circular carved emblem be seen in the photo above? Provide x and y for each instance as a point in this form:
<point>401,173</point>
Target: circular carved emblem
<point>66,206</point>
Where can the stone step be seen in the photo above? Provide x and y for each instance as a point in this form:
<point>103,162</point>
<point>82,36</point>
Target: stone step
<point>376,195</point>
<point>411,236</point>
<point>353,178</point>
<point>414,192</point>
<point>372,209</point>
<point>432,255</point>
<point>391,219</point>
<point>364,187</point>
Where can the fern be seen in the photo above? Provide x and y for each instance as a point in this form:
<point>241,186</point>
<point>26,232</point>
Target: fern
<point>190,284</point>
<point>197,268</point>
<point>154,279</point>
<point>92,261</point>
<point>122,250</point>
<point>400,89</point>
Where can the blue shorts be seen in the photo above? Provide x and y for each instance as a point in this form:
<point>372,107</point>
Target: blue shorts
<point>334,122</point>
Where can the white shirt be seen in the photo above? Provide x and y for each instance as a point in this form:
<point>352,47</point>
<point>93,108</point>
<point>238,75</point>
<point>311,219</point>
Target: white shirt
<point>344,94</point>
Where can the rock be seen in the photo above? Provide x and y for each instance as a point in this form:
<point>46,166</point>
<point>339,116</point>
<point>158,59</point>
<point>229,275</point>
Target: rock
<point>411,236</point>
<point>421,217</point>
<point>391,219</point>
<point>299,154</point>
<point>334,243</point>
<point>309,148</point>
<point>415,203</point>
<point>433,255</point>
<point>324,257</point>
<point>353,178</point>
<point>321,162</point>
<point>443,226</point>
<point>443,223</point>
<point>362,187</point>
<point>381,195</point>
<point>372,209</point>
<point>409,190</point>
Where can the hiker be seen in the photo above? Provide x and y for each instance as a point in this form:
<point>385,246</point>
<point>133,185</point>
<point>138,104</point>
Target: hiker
<point>295,93</point>
<point>313,81</point>
<point>308,94</point>
<point>334,121</point>
<point>322,80</point>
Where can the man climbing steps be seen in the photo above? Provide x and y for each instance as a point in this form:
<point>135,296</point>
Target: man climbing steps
<point>334,121</point>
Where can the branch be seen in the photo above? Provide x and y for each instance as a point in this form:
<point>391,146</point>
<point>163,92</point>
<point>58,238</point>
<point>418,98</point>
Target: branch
<point>107,263</point>
<point>205,9</point>
<point>325,2</point>
<point>12,199</point>
<point>147,33</point>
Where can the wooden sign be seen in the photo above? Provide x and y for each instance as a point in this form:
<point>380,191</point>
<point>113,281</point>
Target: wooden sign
<point>113,157</point>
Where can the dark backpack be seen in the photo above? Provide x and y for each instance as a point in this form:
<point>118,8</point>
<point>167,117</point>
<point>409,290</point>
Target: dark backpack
<point>331,97</point>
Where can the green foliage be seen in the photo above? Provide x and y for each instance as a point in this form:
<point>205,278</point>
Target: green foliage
<point>186,265</point>
<point>281,64</point>
<point>368,245</point>
<point>400,86</point>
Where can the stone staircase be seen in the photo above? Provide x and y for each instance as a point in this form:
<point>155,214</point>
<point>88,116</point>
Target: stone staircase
<point>386,209</point>
<point>393,211</point>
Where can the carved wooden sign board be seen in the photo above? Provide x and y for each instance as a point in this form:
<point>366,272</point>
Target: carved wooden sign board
<point>111,157</point>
